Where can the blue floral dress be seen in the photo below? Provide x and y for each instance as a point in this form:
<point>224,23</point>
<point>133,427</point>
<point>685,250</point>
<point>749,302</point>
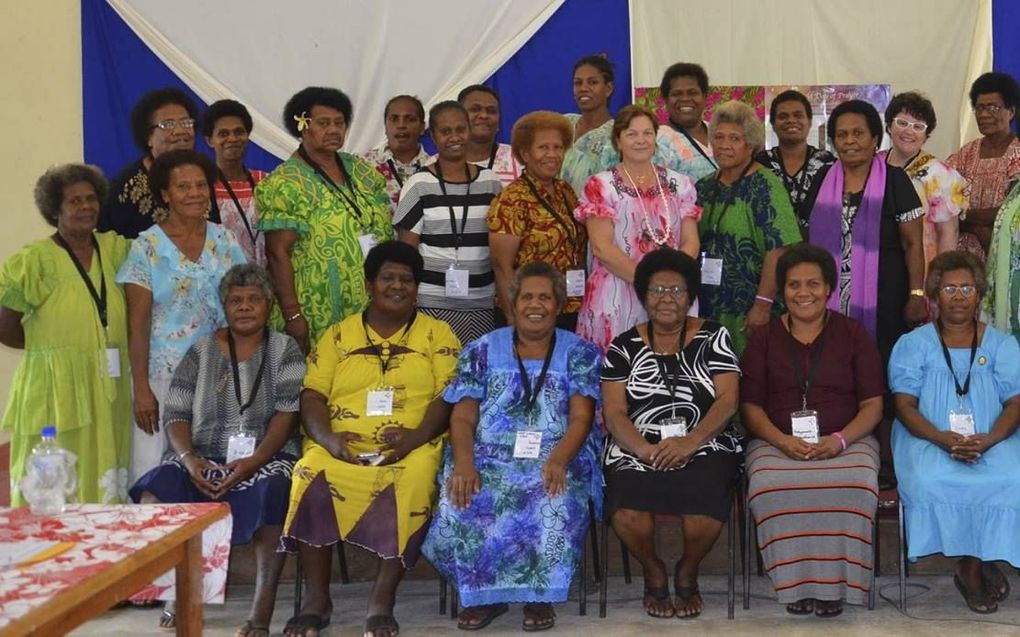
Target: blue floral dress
<point>515,543</point>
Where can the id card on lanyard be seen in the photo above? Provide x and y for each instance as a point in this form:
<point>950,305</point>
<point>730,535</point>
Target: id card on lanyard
<point>576,276</point>
<point>457,278</point>
<point>242,444</point>
<point>711,261</point>
<point>528,442</point>
<point>110,354</point>
<point>804,423</point>
<point>961,418</point>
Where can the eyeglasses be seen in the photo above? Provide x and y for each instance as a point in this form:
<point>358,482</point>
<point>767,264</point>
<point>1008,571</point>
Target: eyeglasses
<point>660,291</point>
<point>904,124</point>
<point>170,124</point>
<point>965,290</point>
<point>989,108</point>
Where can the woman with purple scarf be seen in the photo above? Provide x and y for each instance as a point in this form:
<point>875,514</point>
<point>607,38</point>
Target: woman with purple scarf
<point>868,216</point>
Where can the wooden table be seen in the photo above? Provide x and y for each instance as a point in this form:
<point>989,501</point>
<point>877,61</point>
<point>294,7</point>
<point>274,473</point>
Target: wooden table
<point>118,550</point>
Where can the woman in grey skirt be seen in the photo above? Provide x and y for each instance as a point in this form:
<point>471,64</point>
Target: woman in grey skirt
<point>811,394</point>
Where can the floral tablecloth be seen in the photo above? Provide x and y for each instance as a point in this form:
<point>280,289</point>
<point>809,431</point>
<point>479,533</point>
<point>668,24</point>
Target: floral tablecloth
<point>103,534</point>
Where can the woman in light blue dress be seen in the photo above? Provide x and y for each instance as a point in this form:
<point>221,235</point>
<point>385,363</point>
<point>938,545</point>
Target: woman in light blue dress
<point>955,444</point>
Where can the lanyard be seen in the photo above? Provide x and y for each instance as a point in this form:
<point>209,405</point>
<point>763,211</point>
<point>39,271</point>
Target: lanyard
<point>351,199</point>
<point>697,146</point>
<point>671,382</point>
<point>573,233</point>
<point>458,237</point>
<point>796,186</point>
<point>254,234</point>
<point>729,200</point>
<point>804,382</point>
<point>395,172</point>
<point>237,372</point>
<point>531,397</point>
<point>961,390</point>
<point>384,363</point>
<point>99,298</point>
<point>492,157</point>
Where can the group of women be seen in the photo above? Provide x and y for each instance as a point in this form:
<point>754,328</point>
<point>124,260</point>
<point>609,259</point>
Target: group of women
<point>568,323</point>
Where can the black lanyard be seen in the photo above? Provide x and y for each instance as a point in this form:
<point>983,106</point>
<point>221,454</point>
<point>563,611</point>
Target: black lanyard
<point>961,390</point>
<point>458,237</point>
<point>795,186</point>
<point>384,363</point>
<point>492,157</point>
<point>351,199</point>
<point>804,381</point>
<point>237,372</point>
<point>531,397</point>
<point>573,233</point>
<point>731,198</point>
<point>396,173</point>
<point>254,234</point>
<point>100,297</point>
<point>693,142</point>
<point>671,382</point>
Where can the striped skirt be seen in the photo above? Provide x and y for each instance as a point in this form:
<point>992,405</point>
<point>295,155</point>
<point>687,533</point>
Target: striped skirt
<point>468,325</point>
<point>815,520</point>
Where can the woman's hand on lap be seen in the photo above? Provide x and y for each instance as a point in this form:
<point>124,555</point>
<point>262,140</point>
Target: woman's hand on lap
<point>795,448</point>
<point>827,447</point>
<point>196,466</point>
<point>673,452</point>
<point>239,471</point>
<point>339,446</point>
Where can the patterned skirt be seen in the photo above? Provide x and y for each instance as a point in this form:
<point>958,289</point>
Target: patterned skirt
<point>256,502</point>
<point>815,520</point>
<point>468,325</point>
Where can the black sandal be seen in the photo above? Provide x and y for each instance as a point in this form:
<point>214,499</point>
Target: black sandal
<point>376,622</point>
<point>977,602</point>
<point>827,608</point>
<point>306,621</point>
<point>657,597</point>
<point>489,613</point>
<point>684,595</point>
<point>996,582</point>
<point>541,615</point>
<point>801,607</point>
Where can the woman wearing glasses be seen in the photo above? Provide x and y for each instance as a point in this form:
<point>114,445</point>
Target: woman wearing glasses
<point>669,389</point>
<point>956,386</point>
<point>910,121</point>
<point>990,163</point>
<point>163,120</point>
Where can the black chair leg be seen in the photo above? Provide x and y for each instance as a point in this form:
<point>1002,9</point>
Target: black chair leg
<point>751,546</point>
<point>731,536</point>
<point>902,559</point>
<point>874,567</point>
<point>604,562</point>
<point>454,602</point>
<point>298,584</point>
<point>594,542</point>
<point>342,557</point>
<point>442,595</point>
<point>582,584</point>
<point>625,558</point>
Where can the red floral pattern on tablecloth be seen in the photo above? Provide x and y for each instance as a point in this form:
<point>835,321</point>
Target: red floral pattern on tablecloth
<point>104,534</point>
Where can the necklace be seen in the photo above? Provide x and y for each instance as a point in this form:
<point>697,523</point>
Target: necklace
<point>646,223</point>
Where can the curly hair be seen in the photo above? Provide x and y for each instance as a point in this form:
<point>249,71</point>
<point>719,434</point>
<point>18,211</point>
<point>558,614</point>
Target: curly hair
<point>393,252</point>
<point>668,260</point>
<point>995,82</point>
<point>954,260</point>
<point>739,113</point>
<point>49,188</point>
<point>304,100</point>
<point>914,104</point>
<point>224,108</point>
<point>806,253</point>
<point>522,136</point>
<point>856,107</point>
<point>244,275</point>
<point>543,270</point>
<point>683,69</point>
<point>162,166</point>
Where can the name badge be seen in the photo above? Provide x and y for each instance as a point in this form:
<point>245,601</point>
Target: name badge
<point>367,241</point>
<point>711,270</point>
<point>240,445</point>
<point>804,425</point>
<point>456,282</point>
<point>575,283</point>
<point>380,403</point>
<point>528,444</point>
<point>113,362</point>
<point>673,427</point>
<point>961,422</point>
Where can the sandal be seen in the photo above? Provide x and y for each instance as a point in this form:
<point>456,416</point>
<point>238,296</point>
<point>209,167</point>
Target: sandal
<point>378,622</point>
<point>827,609</point>
<point>976,602</point>
<point>538,617</point>
<point>251,629</point>
<point>167,620</point>
<point>801,607</point>
<point>306,621</point>
<point>685,595</point>
<point>996,582</point>
<point>657,602</point>
<point>478,617</point>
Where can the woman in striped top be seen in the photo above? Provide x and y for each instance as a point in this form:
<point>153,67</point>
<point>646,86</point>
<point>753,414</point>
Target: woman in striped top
<point>442,211</point>
<point>811,395</point>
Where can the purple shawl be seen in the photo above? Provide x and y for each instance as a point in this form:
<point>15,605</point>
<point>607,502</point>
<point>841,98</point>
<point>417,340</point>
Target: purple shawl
<point>825,230</point>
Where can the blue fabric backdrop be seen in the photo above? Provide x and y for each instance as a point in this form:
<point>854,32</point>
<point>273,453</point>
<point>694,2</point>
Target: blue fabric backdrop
<point>1005,44</point>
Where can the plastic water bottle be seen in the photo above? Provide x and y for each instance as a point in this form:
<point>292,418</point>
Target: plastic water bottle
<point>50,477</point>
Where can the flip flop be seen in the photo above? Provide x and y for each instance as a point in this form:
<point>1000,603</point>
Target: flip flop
<point>304,621</point>
<point>249,627</point>
<point>995,580</point>
<point>827,609</point>
<point>491,612</point>
<point>658,595</point>
<point>685,594</point>
<point>801,607</point>
<point>542,616</point>
<point>975,600</point>
<point>376,622</point>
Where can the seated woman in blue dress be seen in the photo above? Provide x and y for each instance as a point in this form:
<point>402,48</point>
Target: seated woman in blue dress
<point>522,464</point>
<point>957,392</point>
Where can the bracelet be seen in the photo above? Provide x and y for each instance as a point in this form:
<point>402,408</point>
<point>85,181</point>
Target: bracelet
<point>763,299</point>
<point>917,292</point>
<point>842,440</point>
<point>181,455</point>
<point>291,318</point>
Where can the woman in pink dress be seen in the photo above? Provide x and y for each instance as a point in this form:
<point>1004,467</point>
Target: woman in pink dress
<point>630,210</point>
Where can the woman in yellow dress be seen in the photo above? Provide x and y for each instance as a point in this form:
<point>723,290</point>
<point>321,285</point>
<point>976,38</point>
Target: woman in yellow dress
<point>374,425</point>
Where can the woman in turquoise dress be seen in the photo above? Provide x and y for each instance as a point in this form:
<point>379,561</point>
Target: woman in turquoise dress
<point>523,463</point>
<point>956,385</point>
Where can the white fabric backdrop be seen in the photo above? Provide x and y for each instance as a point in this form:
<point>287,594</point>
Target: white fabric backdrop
<point>261,53</point>
<point>936,46</point>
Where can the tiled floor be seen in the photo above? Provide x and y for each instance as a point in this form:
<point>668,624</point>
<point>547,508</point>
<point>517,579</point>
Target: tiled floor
<point>938,611</point>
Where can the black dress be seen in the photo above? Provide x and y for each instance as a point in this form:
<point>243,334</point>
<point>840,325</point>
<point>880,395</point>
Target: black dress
<point>702,486</point>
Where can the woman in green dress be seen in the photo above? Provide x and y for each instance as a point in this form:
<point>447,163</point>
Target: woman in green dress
<point>59,302</point>
<point>322,211</point>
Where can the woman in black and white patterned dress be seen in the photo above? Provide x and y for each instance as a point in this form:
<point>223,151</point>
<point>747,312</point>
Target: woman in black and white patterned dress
<point>669,388</point>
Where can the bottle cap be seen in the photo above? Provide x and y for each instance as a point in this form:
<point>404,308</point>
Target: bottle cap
<point>49,431</point>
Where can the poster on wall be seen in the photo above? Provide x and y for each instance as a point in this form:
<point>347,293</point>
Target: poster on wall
<point>823,98</point>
